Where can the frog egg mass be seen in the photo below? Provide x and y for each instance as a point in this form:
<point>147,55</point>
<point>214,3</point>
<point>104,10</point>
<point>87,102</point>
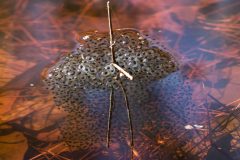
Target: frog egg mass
<point>81,82</point>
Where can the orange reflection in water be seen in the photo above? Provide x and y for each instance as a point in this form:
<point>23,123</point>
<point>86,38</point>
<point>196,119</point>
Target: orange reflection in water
<point>204,33</point>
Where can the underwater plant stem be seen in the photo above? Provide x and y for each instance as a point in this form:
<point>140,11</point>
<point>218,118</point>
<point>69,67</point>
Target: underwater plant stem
<point>110,115</point>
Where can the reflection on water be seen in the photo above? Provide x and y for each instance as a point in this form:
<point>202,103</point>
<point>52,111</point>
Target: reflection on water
<point>191,114</point>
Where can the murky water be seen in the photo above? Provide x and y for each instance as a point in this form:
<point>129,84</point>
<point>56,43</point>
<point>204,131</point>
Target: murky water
<point>192,113</point>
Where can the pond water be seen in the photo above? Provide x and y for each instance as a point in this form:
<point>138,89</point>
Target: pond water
<point>192,113</point>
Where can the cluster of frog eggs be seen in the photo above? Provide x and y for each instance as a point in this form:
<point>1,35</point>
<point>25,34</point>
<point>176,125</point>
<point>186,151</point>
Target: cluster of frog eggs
<point>90,65</point>
<point>76,78</point>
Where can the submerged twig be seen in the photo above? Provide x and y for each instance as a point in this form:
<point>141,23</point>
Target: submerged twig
<point>129,116</point>
<point>111,99</point>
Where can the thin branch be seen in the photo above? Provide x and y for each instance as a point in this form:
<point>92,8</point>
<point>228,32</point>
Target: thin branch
<point>112,44</point>
<point>123,90</point>
<point>129,117</point>
<point>110,32</point>
<point>110,116</point>
<point>123,71</point>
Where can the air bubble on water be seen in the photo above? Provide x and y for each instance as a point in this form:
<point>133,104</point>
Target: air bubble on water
<point>86,37</point>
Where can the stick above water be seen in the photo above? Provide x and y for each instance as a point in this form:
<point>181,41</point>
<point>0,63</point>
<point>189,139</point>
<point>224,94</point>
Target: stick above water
<point>124,92</point>
<point>112,44</point>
